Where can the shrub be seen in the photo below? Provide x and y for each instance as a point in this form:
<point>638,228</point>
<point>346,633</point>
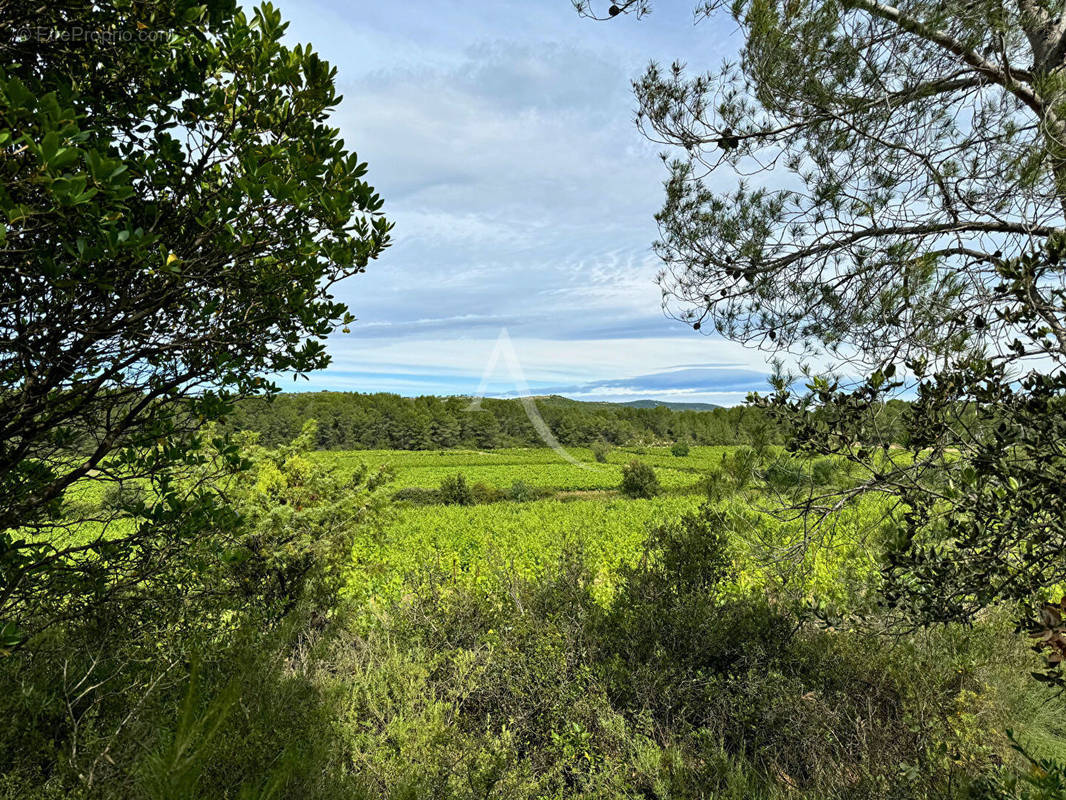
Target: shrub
<point>522,492</point>
<point>639,480</point>
<point>680,449</point>
<point>454,491</point>
<point>417,495</point>
<point>681,685</point>
<point>600,451</point>
<point>484,493</point>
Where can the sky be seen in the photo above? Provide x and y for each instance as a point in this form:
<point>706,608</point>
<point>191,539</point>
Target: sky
<point>500,135</point>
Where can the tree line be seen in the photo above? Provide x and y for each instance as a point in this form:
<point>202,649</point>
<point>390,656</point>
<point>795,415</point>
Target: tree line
<point>354,421</point>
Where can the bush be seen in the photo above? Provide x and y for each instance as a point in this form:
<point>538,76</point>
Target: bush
<point>173,656</point>
<point>522,492</point>
<point>454,491</point>
<point>682,685</point>
<point>680,449</point>
<point>639,480</point>
<point>417,495</point>
<point>484,493</point>
<point>600,451</point>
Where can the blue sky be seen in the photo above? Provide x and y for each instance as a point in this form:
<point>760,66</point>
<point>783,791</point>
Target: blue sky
<point>501,136</point>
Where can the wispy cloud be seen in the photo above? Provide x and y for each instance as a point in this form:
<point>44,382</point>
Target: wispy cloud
<point>501,137</point>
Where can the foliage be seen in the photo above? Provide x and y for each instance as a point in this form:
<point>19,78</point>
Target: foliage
<point>454,491</point>
<point>514,650</point>
<point>880,222</point>
<point>83,698</point>
<point>300,523</point>
<point>484,493</point>
<point>1044,780</point>
<point>679,684</point>
<point>906,227</point>
<point>176,210</point>
<point>716,484</point>
<point>354,421</point>
<point>639,480</point>
<point>680,449</point>
<point>416,495</point>
<point>980,523</point>
<point>539,468</point>
<point>741,465</point>
<point>521,492</point>
<point>600,450</point>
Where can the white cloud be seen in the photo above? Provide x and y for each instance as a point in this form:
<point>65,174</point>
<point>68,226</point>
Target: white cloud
<point>501,138</point>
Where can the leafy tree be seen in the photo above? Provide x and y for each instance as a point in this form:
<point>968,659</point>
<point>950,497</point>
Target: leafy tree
<point>391,421</point>
<point>177,208</point>
<point>908,226</point>
<point>679,449</point>
<point>455,491</point>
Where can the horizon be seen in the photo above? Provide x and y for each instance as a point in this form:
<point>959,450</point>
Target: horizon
<point>471,396</point>
<point>523,202</point>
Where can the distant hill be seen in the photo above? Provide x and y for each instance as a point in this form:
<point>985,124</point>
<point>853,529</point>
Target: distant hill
<point>673,406</point>
<point>560,400</point>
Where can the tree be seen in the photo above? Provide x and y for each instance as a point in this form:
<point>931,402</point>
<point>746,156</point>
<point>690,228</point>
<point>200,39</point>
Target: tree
<point>639,480</point>
<point>914,151</point>
<point>177,210</point>
<point>904,233</point>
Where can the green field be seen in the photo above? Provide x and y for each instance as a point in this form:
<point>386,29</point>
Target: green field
<point>586,513</point>
<point>539,467</point>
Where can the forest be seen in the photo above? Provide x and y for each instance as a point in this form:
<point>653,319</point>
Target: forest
<point>349,421</point>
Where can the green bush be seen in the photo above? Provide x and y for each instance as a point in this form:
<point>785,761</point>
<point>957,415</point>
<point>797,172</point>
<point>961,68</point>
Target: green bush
<point>681,685</point>
<point>160,709</point>
<point>522,492</point>
<point>454,491</point>
<point>639,480</point>
<point>600,451</point>
<point>680,449</point>
<point>484,493</point>
<point>417,495</point>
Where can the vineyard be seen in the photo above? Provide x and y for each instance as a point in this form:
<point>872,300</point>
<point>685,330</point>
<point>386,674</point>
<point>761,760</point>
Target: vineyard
<point>586,513</point>
<point>539,467</point>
